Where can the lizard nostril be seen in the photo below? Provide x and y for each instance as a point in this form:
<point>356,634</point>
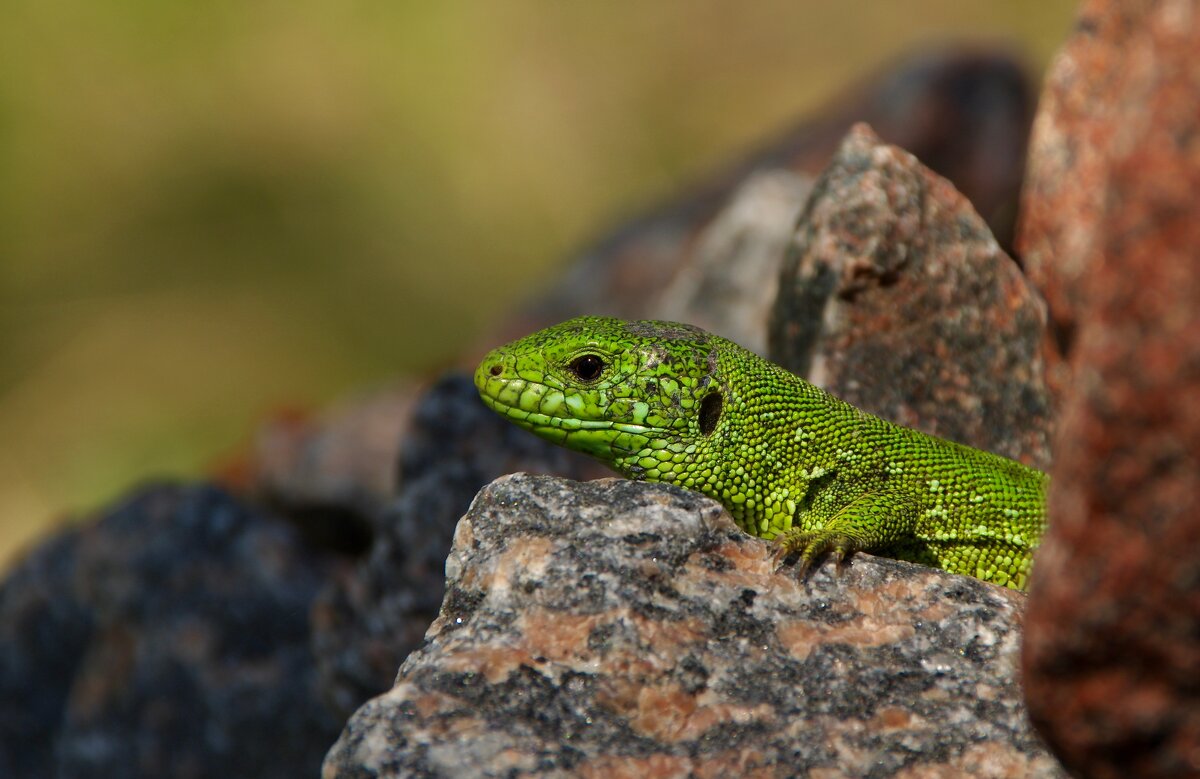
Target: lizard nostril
<point>495,369</point>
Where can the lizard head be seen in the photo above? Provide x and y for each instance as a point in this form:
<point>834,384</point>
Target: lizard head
<point>641,396</point>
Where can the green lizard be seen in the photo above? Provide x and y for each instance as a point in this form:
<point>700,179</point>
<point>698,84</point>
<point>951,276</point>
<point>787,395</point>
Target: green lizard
<point>670,402</point>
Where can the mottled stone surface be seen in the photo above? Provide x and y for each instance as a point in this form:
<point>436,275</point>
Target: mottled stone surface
<point>964,112</point>
<point>1063,196</point>
<point>168,639</point>
<point>731,281</point>
<point>895,297</point>
<point>614,628</point>
<point>44,632</point>
<point>368,620</point>
<point>1112,653</point>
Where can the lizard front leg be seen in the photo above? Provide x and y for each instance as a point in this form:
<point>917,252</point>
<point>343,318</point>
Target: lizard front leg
<point>872,522</point>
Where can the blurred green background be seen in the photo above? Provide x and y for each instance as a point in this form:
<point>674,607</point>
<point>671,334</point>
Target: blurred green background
<point>211,210</point>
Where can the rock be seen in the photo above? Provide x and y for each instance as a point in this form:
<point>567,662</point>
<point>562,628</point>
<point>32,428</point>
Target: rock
<point>44,633</point>
<point>347,454</point>
<point>1063,196</point>
<point>729,285</point>
<point>1063,200</point>
<point>168,639</point>
<point>1112,653</point>
<point>615,628</point>
<point>896,298</point>
<point>174,634</point>
<point>367,621</point>
<point>964,112</point>
<point>331,473</point>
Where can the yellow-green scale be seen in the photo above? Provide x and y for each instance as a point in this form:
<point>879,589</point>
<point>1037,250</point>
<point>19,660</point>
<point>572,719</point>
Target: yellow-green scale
<point>668,402</point>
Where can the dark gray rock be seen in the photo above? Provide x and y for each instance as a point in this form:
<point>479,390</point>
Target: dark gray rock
<point>896,298</point>
<point>44,633</point>
<point>366,622</point>
<point>168,639</point>
<point>615,628</point>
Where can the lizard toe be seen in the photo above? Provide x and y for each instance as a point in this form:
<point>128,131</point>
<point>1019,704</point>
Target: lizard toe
<point>789,543</point>
<point>815,546</point>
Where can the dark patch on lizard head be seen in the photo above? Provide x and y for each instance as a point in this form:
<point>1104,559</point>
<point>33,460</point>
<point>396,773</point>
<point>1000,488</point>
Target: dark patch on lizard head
<point>656,354</point>
<point>675,331</point>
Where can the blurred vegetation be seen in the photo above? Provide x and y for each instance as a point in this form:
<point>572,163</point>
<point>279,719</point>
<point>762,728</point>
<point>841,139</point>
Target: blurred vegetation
<point>210,210</point>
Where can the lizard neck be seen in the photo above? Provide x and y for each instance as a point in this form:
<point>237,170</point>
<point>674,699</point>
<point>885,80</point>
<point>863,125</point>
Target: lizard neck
<point>777,435</point>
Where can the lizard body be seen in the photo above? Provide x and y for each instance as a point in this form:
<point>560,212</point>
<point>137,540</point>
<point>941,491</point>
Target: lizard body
<point>662,401</point>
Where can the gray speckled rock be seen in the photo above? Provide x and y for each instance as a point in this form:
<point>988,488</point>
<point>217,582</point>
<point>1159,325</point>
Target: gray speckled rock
<point>896,298</point>
<point>614,628</point>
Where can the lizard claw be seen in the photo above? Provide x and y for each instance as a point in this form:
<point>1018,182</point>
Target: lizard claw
<point>786,544</point>
<point>814,547</point>
<point>804,569</point>
<point>780,551</point>
<point>841,562</point>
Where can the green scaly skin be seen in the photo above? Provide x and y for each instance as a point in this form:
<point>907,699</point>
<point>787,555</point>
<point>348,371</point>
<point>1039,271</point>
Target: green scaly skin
<point>669,402</point>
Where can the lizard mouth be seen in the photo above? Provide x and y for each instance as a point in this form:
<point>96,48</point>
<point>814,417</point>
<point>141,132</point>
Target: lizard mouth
<point>538,421</point>
<point>549,413</point>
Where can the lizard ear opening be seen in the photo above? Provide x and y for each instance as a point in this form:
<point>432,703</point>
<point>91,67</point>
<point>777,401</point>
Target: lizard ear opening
<point>710,412</point>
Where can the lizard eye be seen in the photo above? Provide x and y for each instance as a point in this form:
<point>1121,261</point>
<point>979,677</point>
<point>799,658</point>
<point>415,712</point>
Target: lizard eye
<point>587,367</point>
